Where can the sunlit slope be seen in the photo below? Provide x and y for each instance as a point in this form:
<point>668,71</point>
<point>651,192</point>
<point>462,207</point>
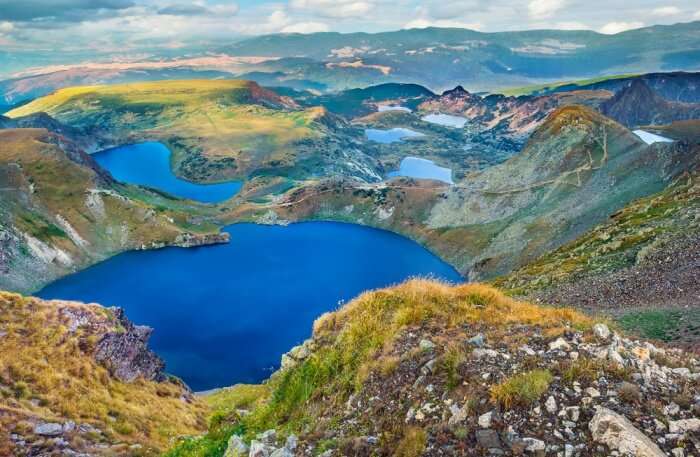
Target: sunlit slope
<point>217,129</point>
<point>59,212</point>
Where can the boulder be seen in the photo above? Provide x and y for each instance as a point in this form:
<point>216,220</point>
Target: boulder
<point>601,331</point>
<point>486,419</point>
<point>559,344</point>
<point>618,433</point>
<point>236,447</point>
<point>426,345</point>
<point>684,425</point>
<point>48,429</point>
<point>488,439</point>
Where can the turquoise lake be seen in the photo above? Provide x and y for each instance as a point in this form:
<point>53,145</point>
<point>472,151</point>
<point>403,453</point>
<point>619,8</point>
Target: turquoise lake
<point>153,170</point>
<point>225,314</point>
<point>391,135</point>
<point>415,167</point>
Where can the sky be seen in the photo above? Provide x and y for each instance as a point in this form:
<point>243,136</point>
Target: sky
<point>130,25</point>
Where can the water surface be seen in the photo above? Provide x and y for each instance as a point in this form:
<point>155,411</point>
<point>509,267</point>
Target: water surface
<point>391,135</point>
<point>446,120</point>
<point>383,108</point>
<point>148,164</point>
<point>415,167</point>
<point>651,138</point>
<point>225,314</point>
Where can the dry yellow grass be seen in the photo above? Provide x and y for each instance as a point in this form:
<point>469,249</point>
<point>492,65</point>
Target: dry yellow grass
<point>47,372</point>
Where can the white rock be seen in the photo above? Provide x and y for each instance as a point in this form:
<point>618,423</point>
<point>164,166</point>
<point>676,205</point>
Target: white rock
<point>684,425</point>
<point>533,444</point>
<point>551,405</point>
<point>559,344</point>
<point>48,429</point>
<point>236,447</point>
<point>592,392</point>
<point>678,452</point>
<point>601,331</point>
<point>426,345</point>
<point>618,433</point>
<point>671,409</point>
<point>486,419</point>
<point>258,449</point>
<point>527,350</point>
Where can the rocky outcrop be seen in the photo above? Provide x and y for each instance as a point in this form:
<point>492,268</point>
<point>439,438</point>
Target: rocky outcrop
<point>264,445</point>
<point>126,354</point>
<point>619,434</point>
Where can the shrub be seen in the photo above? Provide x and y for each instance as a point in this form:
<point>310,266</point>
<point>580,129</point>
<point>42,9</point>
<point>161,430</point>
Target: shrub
<point>522,389</point>
<point>413,443</point>
<point>629,393</point>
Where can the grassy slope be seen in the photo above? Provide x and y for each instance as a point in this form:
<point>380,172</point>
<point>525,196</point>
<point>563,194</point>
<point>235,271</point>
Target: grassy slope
<point>358,341</point>
<point>217,129</point>
<point>50,198</point>
<point>578,168</point>
<point>544,88</point>
<point>48,373</point>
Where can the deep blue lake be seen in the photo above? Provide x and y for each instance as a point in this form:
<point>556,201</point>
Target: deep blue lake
<point>225,314</point>
<point>148,164</point>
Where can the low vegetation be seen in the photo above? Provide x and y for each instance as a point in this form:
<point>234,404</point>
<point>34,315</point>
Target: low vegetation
<point>363,338</point>
<point>48,374</point>
<point>522,389</point>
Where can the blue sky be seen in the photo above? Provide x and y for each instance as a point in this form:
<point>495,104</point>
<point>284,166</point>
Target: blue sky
<point>129,25</point>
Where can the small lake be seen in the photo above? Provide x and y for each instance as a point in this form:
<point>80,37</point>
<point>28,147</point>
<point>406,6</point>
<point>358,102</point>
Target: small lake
<point>415,167</point>
<point>225,314</point>
<point>391,135</point>
<point>383,108</point>
<point>446,120</point>
<point>148,164</point>
<point>651,138</point>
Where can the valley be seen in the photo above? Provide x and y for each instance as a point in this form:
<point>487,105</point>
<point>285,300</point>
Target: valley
<point>460,272</point>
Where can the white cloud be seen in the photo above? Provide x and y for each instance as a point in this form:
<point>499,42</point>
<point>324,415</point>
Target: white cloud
<point>542,9</point>
<point>696,15</point>
<point>6,27</point>
<point>612,28</point>
<point>306,27</point>
<point>665,11</point>
<point>334,8</point>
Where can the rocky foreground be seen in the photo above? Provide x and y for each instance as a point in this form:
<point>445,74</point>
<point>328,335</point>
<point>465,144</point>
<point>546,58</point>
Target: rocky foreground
<point>79,379</point>
<point>429,369</point>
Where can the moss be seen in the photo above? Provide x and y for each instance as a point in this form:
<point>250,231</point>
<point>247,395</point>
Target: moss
<point>656,324</point>
<point>522,389</point>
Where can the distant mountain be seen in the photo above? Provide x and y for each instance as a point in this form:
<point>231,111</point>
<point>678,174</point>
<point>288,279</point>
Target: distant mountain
<point>442,58</point>
<point>637,105</point>
<point>673,86</point>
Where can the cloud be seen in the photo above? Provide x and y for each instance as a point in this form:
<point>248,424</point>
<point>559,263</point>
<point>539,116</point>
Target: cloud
<point>6,27</point>
<point>696,15</point>
<point>69,10</point>
<point>334,8</point>
<point>612,28</point>
<point>542,9</point>
<point>664,11</point>
<point>198,10</point>
<point>183,10</point>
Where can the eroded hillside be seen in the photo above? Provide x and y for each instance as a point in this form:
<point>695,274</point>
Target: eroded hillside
<point>60,212</point>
